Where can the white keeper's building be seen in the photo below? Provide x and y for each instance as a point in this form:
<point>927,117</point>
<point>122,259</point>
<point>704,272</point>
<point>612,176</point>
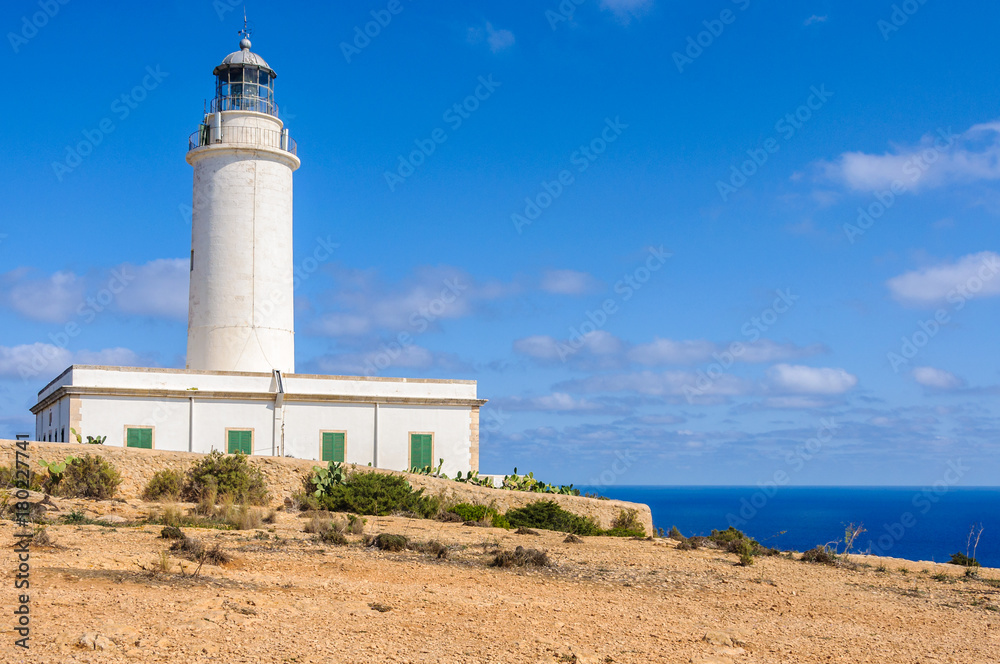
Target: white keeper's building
<point>239,390</point>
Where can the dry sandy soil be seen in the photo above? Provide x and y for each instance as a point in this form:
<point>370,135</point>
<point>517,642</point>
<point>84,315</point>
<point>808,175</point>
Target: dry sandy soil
<point>288,598</point>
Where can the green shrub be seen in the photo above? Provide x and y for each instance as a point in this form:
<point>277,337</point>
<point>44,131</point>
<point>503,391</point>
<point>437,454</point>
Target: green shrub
<point>481,514</point>
<point>548,515</point>
<point>820,554</point>
<point>332,536</point>
<point>676,534</point>
<point>378,494</point>
<point>627,524</point>
<point>431,548</point>
<point>171,532</point>
<point>736,541</point>
<point>9,479</point>
<point>746,551</point>
<point>963,560</point>
<point>89,477</point>
<point>520,557</point>
<point>470,512</point>
<point>226,475</point>
<point>500,521</point>
<point>165,484</point>
<point>388,542</point>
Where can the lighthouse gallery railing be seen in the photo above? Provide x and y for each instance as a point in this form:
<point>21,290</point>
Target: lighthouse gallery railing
<point>243,136</point>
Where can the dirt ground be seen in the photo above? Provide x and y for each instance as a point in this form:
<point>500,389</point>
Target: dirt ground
<point>286,597</point>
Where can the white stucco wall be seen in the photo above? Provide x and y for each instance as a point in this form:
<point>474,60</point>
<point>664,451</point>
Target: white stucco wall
<point>450,426</point>
<point>185,419</point>
<point>305,421</point>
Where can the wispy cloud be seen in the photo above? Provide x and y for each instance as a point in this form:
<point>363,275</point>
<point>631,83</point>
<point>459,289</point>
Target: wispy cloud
<point>158,289</point>
<point>601,349</point>
<point>660,384</point>
<point>937,379</point>
<point>569,282</point>
<point>561,403</point>
<point>18,361</point>
<point>52,299</point>
<point>497,39</point>
<point>815,19</point>
<point>974,275</point>
<point>365,303</point>
<point>939,159</point>
<point>626,10</point>
<point>404,359</point>
<point>798,379</point>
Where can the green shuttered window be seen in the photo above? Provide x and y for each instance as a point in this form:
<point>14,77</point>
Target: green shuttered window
<point>139,437</point>
<point>240,441</point>
<point>333,446</point>
<point>421,445</point>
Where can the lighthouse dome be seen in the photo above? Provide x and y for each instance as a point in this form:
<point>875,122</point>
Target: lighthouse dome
<point>244,58</point>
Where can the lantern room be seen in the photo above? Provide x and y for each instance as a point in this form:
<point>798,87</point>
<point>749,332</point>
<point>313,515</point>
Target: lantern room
<point>244,82</point>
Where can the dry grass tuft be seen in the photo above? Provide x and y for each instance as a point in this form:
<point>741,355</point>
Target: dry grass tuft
<point>521,557</point>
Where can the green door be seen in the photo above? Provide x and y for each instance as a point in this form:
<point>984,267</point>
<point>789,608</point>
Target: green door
<point>333,446</point>
<point>139,437</point>
<point>240,441</point>
<point>420,450</point>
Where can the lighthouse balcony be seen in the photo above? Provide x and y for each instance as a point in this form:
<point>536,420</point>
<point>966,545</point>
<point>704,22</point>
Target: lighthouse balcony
<point>242,135</point>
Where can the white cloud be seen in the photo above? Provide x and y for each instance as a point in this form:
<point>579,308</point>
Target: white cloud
<point>798,379</point>
<point>28,359</point>
<point>937,379</point>
<point>159,289</point>
<point>939,158</point>
<point>660,384</point>
<point>497,40</point>
<point>548,349</point>
<point>667,351</point>
<point>765,351</point>
<point>386,362</point>
<point>794,403</point>
<point>51,299</point>
<point>608,351</point>
<point>558,402</point>
<point>39,360</point>
<point>975,275</point>
<point>625,10</point>
<point>815,19</point>
<point>568,282</point>
<point>365,303</point>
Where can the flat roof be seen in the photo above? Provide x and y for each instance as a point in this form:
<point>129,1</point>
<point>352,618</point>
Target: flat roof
<point>97,367</point>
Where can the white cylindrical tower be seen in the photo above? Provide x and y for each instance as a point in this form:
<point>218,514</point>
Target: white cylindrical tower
<point>240,315</point>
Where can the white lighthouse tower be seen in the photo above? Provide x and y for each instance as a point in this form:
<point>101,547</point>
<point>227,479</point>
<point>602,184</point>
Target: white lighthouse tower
<point>240,315</point>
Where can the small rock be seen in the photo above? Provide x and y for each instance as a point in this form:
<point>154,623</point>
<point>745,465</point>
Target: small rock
<point>719,639</point>
<point>111,518</point>
<point>94,641</point>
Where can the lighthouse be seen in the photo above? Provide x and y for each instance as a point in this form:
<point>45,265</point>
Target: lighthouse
<point>240,311</point>
<point>239,392</point>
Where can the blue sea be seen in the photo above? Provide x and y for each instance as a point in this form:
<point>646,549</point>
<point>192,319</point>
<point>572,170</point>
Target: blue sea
<point>915,523</point>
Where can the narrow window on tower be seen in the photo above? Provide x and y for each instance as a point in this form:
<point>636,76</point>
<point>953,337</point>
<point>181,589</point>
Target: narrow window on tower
<point>192,260</point>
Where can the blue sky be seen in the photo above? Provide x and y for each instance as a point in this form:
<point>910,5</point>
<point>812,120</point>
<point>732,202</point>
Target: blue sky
<point>626,189</point>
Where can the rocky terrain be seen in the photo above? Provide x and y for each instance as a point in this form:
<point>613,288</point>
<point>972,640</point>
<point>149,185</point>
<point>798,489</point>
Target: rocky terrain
<point>105,590</point>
